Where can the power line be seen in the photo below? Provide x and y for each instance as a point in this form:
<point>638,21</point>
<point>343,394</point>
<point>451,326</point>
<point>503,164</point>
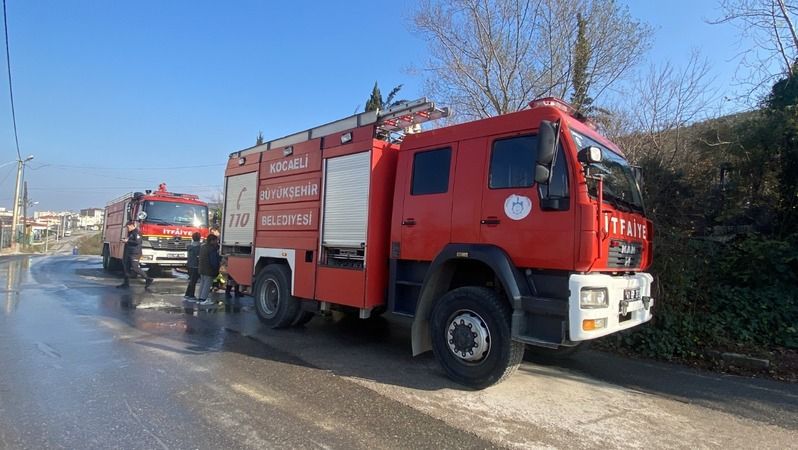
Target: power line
<point>10,88</point>
<point>66,166</point>
<point>10,171</point>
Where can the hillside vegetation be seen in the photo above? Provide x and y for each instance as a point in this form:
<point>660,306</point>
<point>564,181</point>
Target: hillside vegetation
<point>725,208</point>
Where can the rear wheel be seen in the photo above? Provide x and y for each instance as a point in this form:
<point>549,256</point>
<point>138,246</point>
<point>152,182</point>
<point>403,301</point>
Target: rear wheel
<point>274,304</point>
<point>471,338</point>
<point>110,264</point>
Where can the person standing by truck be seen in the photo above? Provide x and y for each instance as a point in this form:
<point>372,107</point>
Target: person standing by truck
<point>208,268</point>
<point>131,256</point>
<point>192,265</point>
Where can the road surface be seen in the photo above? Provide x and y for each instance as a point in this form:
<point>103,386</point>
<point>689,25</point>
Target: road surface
<point>86,365</point>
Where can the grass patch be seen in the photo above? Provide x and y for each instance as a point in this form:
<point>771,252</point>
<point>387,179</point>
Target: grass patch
<point>91,245</point>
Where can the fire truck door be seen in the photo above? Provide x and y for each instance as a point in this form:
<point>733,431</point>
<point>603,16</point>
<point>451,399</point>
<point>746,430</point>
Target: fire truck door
<point>427,207</point>
<point>512,217</point>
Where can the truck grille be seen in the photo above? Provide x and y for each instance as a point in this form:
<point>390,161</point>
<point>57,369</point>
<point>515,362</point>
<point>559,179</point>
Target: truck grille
<point>171,244</point>
<point>624,255</point>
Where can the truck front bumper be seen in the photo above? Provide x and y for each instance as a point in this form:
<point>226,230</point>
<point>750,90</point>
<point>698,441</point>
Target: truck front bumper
<point>629,304</point>
<point>164,258</point>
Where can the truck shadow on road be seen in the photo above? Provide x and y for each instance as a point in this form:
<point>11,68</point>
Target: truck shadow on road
<point>375,350</point>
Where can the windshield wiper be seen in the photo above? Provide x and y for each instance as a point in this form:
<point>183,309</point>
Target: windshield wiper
<point>618,203</point>
<point>627,205</point>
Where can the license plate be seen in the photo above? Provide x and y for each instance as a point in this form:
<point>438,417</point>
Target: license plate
<point>175,255</point>
<point>631,294</point>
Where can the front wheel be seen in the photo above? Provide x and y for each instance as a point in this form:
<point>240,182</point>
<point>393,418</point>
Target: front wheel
<point>274,304</point>
<point>471,337</point>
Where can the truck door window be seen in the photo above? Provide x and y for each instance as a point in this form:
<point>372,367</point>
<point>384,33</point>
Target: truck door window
<point>431,172</point>
<point>512,162</point>
<point>558,188</point>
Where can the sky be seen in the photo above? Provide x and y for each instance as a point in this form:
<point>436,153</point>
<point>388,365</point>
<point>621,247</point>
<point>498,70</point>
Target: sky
<point>113,97</point>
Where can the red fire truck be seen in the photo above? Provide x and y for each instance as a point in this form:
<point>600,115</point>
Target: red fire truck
<point>166,221</point>
<point>523,229</point>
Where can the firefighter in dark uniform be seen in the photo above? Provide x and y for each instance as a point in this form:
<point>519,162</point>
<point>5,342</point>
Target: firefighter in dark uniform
<point>131,256</point>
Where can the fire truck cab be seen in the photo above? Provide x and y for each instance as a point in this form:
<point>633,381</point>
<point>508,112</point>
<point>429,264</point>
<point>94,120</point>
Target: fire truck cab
<point>521,229</point>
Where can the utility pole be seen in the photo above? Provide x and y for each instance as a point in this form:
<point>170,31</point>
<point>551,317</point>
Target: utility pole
<point>15,209</point>
<point>15,216</point>
<point>25,212</point>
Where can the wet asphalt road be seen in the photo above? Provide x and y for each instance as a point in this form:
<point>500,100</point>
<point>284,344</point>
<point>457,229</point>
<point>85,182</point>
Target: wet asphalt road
<point>85,365</point>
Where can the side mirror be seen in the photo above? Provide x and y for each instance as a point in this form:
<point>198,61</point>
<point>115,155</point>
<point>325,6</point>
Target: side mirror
<point>547,137</point>
<point>141,215</point>
<point>547,134</point>
<point>589,155</point>
<point>542,174</point>
<point>637,171</point>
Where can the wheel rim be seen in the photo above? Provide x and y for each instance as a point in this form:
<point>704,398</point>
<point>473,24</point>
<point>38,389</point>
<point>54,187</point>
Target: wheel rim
<point>468,337</point>
<point>269,298</point>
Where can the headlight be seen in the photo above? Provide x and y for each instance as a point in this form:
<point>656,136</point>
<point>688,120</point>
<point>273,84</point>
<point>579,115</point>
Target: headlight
<point>593,298</point>
<point>146,257</point>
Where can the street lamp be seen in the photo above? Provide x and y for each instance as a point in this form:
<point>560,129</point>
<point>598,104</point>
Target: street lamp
<point>18,186</point>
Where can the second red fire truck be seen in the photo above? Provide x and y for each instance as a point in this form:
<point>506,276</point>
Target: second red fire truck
<point>526,229</point>
<point>166,222</point>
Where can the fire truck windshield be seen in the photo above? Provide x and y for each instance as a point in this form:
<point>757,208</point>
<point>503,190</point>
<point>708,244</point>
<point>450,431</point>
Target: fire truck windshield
<point>620,187</point>
<point>173,213</point>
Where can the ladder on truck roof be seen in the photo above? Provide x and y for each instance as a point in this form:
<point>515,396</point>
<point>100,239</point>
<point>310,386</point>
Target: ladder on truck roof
<point>119,199</point>
<point>392,120</point>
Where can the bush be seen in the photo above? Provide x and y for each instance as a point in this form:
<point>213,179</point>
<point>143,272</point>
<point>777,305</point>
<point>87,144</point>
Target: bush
<point>739,296</point>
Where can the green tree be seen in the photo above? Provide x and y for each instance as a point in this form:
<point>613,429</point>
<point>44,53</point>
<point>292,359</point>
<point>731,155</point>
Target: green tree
<point>376,101</point>
<point>259,139</point>
<point>581,78</point>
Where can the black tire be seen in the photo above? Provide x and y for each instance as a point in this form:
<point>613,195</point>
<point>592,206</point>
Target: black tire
<point>561,352</point>
<point>110,264</point>
<point>302,318</point>
<point>106,259</point>
<point>490,355</point>
<point>274,304</point>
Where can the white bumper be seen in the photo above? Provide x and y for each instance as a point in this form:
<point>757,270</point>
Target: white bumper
<point>615,286</point>
<point>159,257</point>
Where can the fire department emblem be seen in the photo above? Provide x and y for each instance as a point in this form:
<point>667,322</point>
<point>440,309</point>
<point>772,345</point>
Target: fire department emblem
<point>517,207</point>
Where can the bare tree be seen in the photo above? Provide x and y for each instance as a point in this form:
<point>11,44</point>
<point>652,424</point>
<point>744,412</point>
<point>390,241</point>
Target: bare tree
<point>666,101</point>
<point>770,26</point>
<point>492,57</point>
